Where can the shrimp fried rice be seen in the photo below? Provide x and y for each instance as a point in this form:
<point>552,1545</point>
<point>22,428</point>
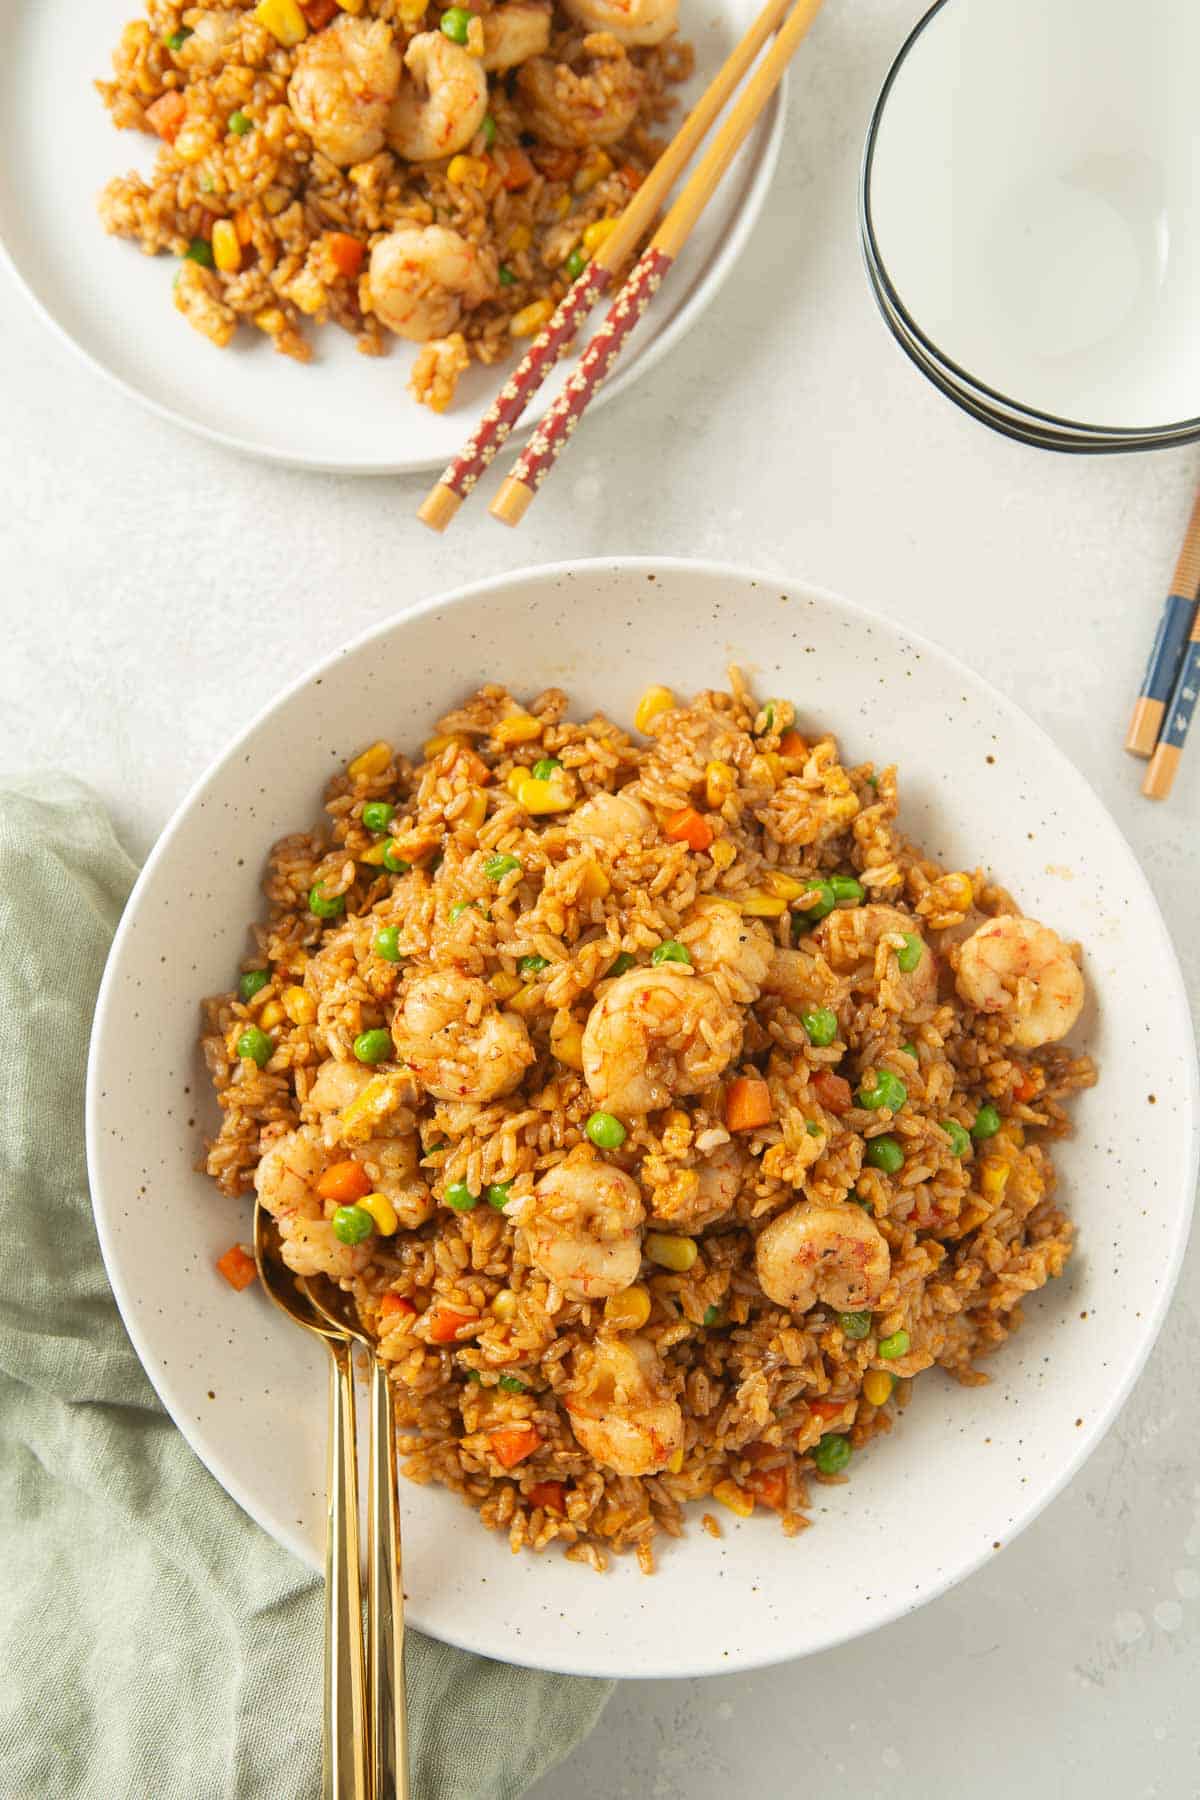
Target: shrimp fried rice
<point>440,174</point>
<point>664,1110</point>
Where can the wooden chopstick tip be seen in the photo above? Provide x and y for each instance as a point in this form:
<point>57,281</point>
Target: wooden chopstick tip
<point>512,502</point>
<point>1144,727</point>
<point>439,507</point>
<point>1160,775</point>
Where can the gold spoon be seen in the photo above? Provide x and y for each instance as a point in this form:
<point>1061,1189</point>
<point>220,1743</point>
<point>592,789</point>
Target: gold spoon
<point>345,1773</point>
<point>385,1585</point>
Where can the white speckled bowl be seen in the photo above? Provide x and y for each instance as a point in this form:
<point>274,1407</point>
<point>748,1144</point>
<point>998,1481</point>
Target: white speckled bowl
<point>968,1468</point>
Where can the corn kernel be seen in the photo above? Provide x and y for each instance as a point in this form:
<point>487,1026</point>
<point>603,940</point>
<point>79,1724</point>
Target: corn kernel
<point>787,887</point>
<point>504,1306</point>
<point>504,985</point>
<point>243,224</point>
<point>877,1386</point>
<point>628,1311</point>
<point>434,745</point>
<point>351,6</point>
<point>271,1015</point>
<point>411,11</point>
<point>959,891</point>
<point>562,205</point>
<point>519,238</point>
<point>375,855</point>
<point>757,905</point>
<point>475,44</point>
<point>595,884</point>
<point>531,318</point>
<point>566,1041</point>
<point>719,783</point>
<point>227,252</point>
<point>525,999</point>
<point>544,796</point>
<point>515,780</point>
<point>382,1211</point>
<point>675,1461</point>
<point>598,165</point>
<point>371,762</point>
<point>597,233</point>
<point>723,855</point>
<point>735,1498</point>
<point>518,728</point>
<point>192,143</point>
<point>474,812</point>
<point>655,700</point>
<point>993,1175</point>
<point>283,19</point>
<point>363,1116</point>
<point>467,171</point>
<point>299,1005</point>
<point>766,768</point>
<point>670,1251</point>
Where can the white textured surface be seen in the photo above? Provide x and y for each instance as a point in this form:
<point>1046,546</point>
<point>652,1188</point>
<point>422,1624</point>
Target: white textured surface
<point>153,591</point>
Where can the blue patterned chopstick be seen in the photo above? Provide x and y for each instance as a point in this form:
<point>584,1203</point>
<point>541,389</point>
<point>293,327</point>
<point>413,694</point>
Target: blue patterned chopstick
<point>1165,761</point>
<point>1170,642</point>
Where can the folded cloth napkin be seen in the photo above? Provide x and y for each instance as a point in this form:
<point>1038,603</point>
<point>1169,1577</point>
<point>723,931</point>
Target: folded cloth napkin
<point>155,1643</point>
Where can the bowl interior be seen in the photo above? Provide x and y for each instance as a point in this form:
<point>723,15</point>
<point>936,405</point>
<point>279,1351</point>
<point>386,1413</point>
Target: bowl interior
<point>1030,196</point>
<point>981,784</point>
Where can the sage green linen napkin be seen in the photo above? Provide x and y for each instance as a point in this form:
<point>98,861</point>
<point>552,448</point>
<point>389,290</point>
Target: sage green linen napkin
<point>155,1644</point>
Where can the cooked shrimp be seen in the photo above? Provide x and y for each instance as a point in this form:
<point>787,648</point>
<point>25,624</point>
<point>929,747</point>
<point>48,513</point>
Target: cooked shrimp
<point>575,108</point>
<point>441,108</point>
<point>622,1411</point>
<point>1024,969</point>
<point>654,1033</point>
<point>285,1182</point>
<point>583,1231</point>
<point>606,818</point>
<point>851,940</point>
<point>393,1163</point>
<point>831,1253</point>
<point>457,1042</point>
<point>730,949</point>
<point>694,1204</point>
<point>346,77</point>
<point>212,39</point>
<point>802,979</point>
<point>513,32</point>
<point>629,21</point>
<point>422,278</point>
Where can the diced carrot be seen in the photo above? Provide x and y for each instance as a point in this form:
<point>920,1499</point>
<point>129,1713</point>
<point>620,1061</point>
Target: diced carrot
<point>513,1443</point>
<point>243,224</point>
<point>167,114</point>
<point>832,1091</point>
<point>474,766</point>
<point>237,1266</point>
<point>346,253</point>
<point>747,1103</point>
<point>633,178</point>
<point>769,1486</point>
<point>1027,1086</point>
<point>445,1325</point>
<point>827,1409</point>
<point>549,1494</point>
<point>395,1306</point>
<point>344,1182</point>
<point>558,164</point>
<point>318,13</point>
<point>515,168</point>
<point>792,744</point>
<point>688,827</point>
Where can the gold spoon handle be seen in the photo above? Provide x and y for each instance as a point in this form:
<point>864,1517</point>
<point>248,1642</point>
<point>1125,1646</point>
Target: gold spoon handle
<point>344,1762</point>
<point>385,1601</point>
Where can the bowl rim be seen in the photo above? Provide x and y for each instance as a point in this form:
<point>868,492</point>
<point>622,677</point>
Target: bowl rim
<point>1082,1445</point>
<point>709,281</point>
<point>1126,437</point>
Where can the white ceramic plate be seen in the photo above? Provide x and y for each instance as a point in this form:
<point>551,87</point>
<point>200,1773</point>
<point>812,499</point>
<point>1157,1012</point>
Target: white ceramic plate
<point>968,1468</point>
<point>1028,191</point>
<point>342,411</point>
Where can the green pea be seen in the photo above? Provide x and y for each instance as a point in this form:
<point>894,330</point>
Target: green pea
<point>200,251</point>
<point>960,1139</point>
<point>240,123</point>
<point>821,1026</point>
<point>459,1196</point>
<point>508,1384</point>
<point>387,944</point>
<point>456,23</point>
<point>255,1046</point>
<point>175,40</point>
<point>497,1194</point>
<point>910,1050</point>
<point>393,862</point>
<point>473,1375</point>
<point>489,131</point>
<point>377,815</point>
<point>824,904</point>
<point>351,1224</point>
<point>576,263</point>
<point>323,906</point>
<point>833,1453</point>
<point>507,278</point>
<point>712,1315</point>
<point>886,1090</point>
<point>856,1324</point>
<point>497,867</point>
<point>373,1046</point>
<point>621,966</point>
<point>252,982</point>
<point>768,718</point>
<point>910,956</point>
<point>670,952</point>
<point>987,1123</point>
<point>856,1199</point>
<point>846,888</point>
<point>885,1153</point>
<point>460,907</point>
<point>544,767</point>
<point>605,1131</point>
<point>813,1129</point>
<point>533,965</point>
<point>896,1345</point>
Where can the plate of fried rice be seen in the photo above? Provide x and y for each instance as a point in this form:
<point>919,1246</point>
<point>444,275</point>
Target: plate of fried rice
<point>321,231</point>
<point>700,1065</point>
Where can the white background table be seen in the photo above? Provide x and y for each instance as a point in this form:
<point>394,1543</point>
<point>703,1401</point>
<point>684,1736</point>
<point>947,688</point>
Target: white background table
<point>154,592</point>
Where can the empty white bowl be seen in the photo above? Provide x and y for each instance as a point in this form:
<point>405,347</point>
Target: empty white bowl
<point>1028,208</point>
